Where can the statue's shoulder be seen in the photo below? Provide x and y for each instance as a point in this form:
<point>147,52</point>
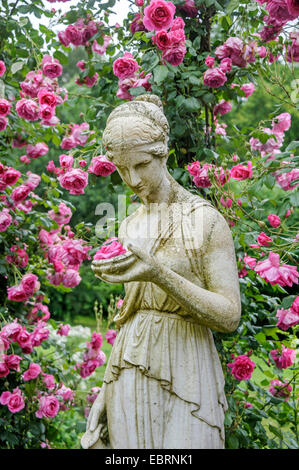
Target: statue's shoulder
<point>128,220</point>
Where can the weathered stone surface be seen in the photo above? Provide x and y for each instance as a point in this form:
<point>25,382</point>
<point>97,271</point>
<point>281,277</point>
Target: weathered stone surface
<point>164,385</point>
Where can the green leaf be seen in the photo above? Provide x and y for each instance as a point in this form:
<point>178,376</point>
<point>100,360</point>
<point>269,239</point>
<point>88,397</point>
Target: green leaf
<point>293,145</point>
<point>233,442</point>
<point>160,74</point>
<point>16,67</point>
<point>294,199</point>
<point>192,104</point>
<point>275,431</point>
<point>194,80</point>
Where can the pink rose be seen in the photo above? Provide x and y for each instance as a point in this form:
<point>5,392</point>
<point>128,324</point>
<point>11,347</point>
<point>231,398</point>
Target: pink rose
<point>30,284</point>
<point>248,89</point>
<point>240,172</point>
<point>96,341</point>
<point>293,7</point>
<point>284,358</point>
<point>280,389</point>
<point>175,54</point>
<point>2,68</point>
<point>278,9</point>
<point>20,193</point>
<point>274,273</point>
<point>200,174</point>
<point>281,123</point>
<point>161,39</point>
<point>63,216</point>
<point>74,181</point>
<point>226,65</point>
<point>100,165</point>
<point>4,370</point>
<point>49,381</point>
<point>71,278</point>
<point>13,362</point>
<point>33,180</point>
<point>14,401</point>
<point>263,239</point>
<point>274,220</point>
<point>119,303</point>
<point>46,97</point>
<point>48,407</point>
<point>210,61</point>
<point>214,78</point>
<point>3,123</point>
<point>251,262</point>
<point>73,35</point>
<point>33,372</point>
<point>242,367</point>
<point>158,15</point>
<point>66,161</point>
<point>125,66</point>
<point>5,220</point>
<point>223,107</point>
<point>37,150</point>
<point>101,49</point>
<point>178,23</point>
<point>11,176</point>
<point>110,336</point>
<point>286,319</point>
<point>63,330</point>
<point>4,107</point>
<point>295,306</point>
<point>51,67</point>
<point>137,24</point>
<point>17,293</point>
<point>109,249</point>
<point>27,109</point>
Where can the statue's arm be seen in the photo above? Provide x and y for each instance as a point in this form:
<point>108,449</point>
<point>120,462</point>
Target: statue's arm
<point>218,305</point>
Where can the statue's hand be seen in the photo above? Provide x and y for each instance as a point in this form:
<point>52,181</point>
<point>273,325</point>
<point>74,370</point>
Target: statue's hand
<point>143,267</point>
<point>96,435</point>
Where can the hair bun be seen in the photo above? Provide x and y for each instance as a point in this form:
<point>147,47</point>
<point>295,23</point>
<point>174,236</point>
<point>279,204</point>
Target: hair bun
<point>150,99</point>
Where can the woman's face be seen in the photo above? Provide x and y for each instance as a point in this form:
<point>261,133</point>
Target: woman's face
<point>140,170</point>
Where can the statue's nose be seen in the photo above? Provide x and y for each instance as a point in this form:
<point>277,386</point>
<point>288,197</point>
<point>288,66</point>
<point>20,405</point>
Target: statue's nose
<point>134,179</point>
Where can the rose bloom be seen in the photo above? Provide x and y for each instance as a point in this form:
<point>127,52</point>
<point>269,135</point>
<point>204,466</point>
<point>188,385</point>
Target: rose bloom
<point>110,336</point>
<point>210,61</point>
<point>286,319</point>
<point>30,284</point>
<point>274,220</point>
<point>295,306</point>
<point>96,341</point>
<point>63,330</point>
<point>223,107</point>
<point>125,66</point>
<point>281,123</point>
<point>278,10</point>
<point>101,49</point>
<point>137,24</point>
<point>280,389</point>
<point>37,150</point>
<point>214,78</point>
<point>248,89</point>
<point>263,239</point>
<point>284,358</point>
<point>74,181</point>
<point>114,248</point>
<point>100,165</point>
<point>3,123</point>
<point>200,174</point>
<point>178,23</point>
<point>274,273</point>
<point>33,372</point>
<point>13,362</point>
<point>161,39</point>
<point>250,261</point>
<point>27,109</point>
<point>11,176</point>
<point>5,220</point>
<point>63,216</point>
<point>46,97</point>
<point>4,107</point>
<point>66,161</point>
<point>51,67</point>
<point>240,172</point>
<point>226,65</point>
<point>48,407</point>
<point>71,278</point>
<point>158,15</point>
<point>293,7</point>
<point>174,55</point>
<point>49,381</point>
<point>2,68</point>
<point>242,367</point>
<point>14,401</point>
<point>293,49</point>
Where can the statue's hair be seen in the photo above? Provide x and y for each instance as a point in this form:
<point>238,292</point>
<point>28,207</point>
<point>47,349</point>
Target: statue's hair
<point>145,123</point>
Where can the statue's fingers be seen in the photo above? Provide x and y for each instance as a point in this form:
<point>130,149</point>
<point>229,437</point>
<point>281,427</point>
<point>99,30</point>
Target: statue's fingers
<point>139,252</point>
<point>112,279</point>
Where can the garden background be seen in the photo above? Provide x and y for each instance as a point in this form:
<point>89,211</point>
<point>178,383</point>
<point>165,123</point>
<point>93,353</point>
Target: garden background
<point>227,74</point>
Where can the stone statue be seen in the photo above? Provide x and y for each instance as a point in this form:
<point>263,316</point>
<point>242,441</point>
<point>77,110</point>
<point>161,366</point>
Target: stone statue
<point>164,386</point>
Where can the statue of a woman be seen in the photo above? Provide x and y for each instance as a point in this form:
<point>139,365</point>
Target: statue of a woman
<point>164,386</point>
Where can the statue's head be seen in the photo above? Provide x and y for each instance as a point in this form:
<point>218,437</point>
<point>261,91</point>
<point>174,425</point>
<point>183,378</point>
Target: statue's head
<point>135,138</point>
